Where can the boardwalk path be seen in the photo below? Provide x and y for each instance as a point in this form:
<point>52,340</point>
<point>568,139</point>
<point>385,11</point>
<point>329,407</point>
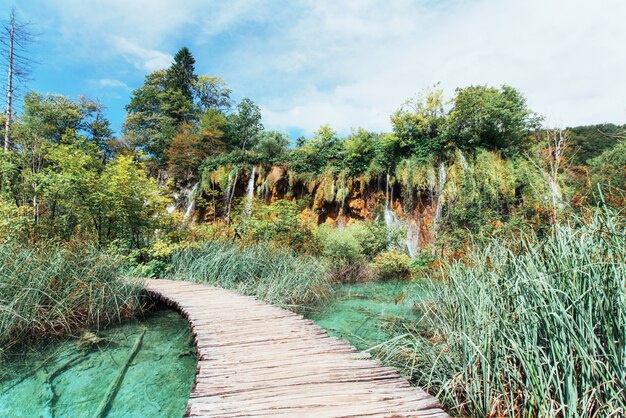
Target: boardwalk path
<point>255,359</point>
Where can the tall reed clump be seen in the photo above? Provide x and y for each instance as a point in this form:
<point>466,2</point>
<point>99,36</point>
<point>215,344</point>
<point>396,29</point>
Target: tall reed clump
<point>274,275</point>
<point>535,329</point>
<point>52,289</point>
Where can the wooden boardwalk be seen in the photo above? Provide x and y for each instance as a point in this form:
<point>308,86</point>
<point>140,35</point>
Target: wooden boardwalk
<point>257,360</point>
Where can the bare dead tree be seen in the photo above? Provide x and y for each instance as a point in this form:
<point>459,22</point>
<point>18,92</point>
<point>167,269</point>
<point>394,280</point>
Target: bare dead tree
<point>552,149</point>
<point>557,141</point>
<point>14,43</point>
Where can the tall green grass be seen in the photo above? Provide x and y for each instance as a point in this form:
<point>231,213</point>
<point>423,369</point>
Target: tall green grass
<point>275,275</point>
<point>51,289</point>
<point>535,328</point>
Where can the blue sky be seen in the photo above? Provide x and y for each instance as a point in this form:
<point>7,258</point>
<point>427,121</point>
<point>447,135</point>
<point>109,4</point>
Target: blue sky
<point>346,63</point>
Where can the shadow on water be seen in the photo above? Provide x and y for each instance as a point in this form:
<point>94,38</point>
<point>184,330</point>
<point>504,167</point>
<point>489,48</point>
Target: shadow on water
<point>142,368</point>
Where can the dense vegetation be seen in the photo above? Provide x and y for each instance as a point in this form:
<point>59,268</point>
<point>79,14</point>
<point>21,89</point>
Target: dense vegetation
<point>279,278</point>
<point>196,189</point>
<point>532,328</point>
<point>46,290</point>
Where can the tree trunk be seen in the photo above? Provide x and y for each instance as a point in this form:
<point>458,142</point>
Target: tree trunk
<point>7,122</point>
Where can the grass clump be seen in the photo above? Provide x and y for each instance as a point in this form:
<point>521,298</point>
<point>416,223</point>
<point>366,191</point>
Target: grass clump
<point>274,275</point>
<point>50,289</point>
<point>535,329</point>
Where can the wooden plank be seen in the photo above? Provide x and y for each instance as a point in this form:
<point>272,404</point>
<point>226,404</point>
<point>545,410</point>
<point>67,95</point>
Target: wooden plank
<point>257,360</point>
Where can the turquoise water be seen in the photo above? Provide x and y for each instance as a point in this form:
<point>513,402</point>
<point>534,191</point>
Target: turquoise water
<point>153,360</point>
<point>367,314</point>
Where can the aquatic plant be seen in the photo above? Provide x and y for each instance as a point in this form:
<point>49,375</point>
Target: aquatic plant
<point>275,275</point>
<point>48,289</point>
<point>532,328</point>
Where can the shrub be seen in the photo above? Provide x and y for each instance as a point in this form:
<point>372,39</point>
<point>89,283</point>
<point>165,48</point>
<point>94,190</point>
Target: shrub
<point>342,245</point>
<point>356,241</point>
<point>392,265</point>
<point>279,223</point>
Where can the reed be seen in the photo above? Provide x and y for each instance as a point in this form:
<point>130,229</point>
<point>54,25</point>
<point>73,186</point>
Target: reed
<point>52,289</point>
<point>535,328</point>
<point>275,275</point>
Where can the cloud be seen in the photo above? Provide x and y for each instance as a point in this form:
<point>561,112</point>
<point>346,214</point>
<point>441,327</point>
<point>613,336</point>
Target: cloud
<point>107,82</point>
<point>142,58</point>
<point>353,63</point>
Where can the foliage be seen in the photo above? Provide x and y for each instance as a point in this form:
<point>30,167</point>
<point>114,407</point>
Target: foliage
<point>316,154</point>
<point>272,146</point>
<point>420,125</point>
<point>280,223</point>
<point>343,245</point>
<point>181,75</point>
<point>608,172</point>
<point>62,181</point>
<point>361,149</point>
<point>392,265</point>
<point>588,142</point>
<point>356,241</point>
<point>487,117</point>
<point>244,126</point>
<point>153,115</point>
<point>127,203</point>
<point>528,328</point>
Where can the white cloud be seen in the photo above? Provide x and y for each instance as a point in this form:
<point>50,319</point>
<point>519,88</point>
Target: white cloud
<point>142,58</point>
<point>107,82</point>
<point>353,63</point>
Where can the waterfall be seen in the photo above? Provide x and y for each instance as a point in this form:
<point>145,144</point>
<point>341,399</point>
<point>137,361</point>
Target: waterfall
<point>250,192</point>
<point>441,182</point>
<point>342,208</point>
<point>463,161</point>
<point>391,220</point>
<point>388,214</point>
<point>228,187</point>
<point>191,201</point>
<point>393,223</point>
<point>412,241</point>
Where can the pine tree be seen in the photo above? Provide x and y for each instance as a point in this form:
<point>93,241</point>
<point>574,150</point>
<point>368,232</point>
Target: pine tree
<point>181,75</point>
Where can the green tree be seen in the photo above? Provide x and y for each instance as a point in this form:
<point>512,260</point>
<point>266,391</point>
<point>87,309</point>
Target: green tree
<point>126,203</point>
<point>271,146</point>
<point>66,182</point>
<point>487,117</point>
<point>96,126</point>
<point>244,126</point>
<point>420,125</point>
<point>323,150</point>
<point>608,172</point>
<point>181,75</point>
<point>52,117</point>
<point>153,116</point>
<point>211,93</point>
<point>587,142</point>
<point>360,149</point>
